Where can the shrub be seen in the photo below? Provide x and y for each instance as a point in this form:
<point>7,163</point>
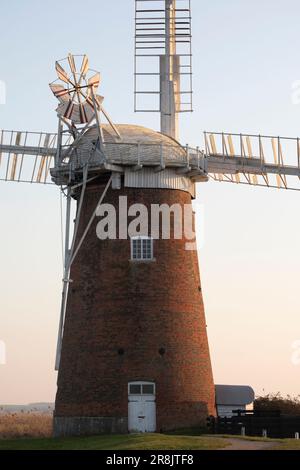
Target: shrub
<point>287,405</point>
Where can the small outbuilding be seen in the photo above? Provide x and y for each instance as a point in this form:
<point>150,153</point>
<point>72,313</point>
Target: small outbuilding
<point>233,397</point>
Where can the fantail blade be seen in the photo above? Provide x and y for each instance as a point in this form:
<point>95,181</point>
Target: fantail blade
<point>85,65</point>
<point>72,63</point>
<point>94,81</point>
<point>61,93</point>
<point>62,74</point>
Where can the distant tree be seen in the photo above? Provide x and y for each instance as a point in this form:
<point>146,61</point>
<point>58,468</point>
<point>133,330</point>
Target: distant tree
<point>287,405</point>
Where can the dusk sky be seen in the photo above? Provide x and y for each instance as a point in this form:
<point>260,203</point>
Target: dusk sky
<point>245,61</point>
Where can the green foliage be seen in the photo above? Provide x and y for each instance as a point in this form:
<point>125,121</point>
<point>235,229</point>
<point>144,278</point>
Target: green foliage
<point>287,405</point>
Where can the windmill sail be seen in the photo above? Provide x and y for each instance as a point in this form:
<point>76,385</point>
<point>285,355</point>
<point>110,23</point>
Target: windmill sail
<point>27,156</point>
<point>163,60</point>
<point>236,158</point>
<point>253,159</point>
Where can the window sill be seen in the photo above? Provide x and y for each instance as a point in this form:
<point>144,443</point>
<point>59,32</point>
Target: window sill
<point>142,261</point>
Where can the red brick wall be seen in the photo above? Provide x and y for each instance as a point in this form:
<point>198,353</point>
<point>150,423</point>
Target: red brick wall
<point>114,303</point>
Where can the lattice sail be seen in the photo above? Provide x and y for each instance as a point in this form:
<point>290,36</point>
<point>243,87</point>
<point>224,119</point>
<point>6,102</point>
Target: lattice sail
<point>27,156</point>
<point>163,59</point>
<point>253,159</point>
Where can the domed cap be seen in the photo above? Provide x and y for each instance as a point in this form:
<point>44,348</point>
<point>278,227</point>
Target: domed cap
<point>136,145</point>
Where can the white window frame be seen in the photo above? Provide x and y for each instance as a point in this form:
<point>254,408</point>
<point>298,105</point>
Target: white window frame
<point>142,258</point>
<point>141,385</point>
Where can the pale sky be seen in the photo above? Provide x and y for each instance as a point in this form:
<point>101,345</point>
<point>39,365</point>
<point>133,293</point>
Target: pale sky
<point>246,58</point>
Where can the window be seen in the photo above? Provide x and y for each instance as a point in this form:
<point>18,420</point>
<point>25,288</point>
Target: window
<point>135,389</point>
<point>141,388</point>
<point>148,389</point>
<point>142,248</point>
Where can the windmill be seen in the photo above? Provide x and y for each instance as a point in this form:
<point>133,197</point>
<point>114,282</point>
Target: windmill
<point>132,349</point>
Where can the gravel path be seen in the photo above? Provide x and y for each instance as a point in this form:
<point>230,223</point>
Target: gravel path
<point>242,444</point>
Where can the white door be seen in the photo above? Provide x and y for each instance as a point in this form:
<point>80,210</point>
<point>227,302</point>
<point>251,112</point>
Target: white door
<point>141,407</point>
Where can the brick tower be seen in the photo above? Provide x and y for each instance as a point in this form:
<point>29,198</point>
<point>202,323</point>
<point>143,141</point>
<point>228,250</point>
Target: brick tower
<point>132,349</point>
<point>134,353</point>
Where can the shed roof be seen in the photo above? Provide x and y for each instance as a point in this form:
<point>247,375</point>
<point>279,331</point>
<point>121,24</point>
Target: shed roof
<point>234,394</point>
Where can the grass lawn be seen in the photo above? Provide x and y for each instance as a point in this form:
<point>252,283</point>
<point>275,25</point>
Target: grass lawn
<point>140,442</point>
<point>118,442</point>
